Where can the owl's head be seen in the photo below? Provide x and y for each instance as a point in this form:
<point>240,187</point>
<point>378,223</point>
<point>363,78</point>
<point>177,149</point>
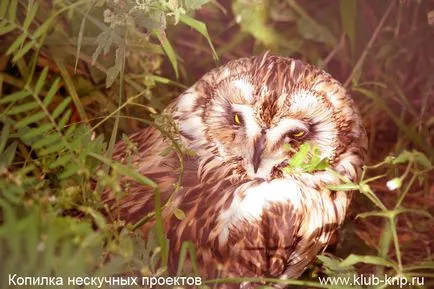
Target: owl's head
<point>247,113</point>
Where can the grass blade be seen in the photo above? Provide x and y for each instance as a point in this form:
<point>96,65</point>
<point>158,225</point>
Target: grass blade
<point>201,28</point>
<point>170,52</point>
<point>29,45</point>
<point>4,135</point>
<point>348,11</point>
<point>8,155</point>
<point>71,88</point>
<point>31,12</point>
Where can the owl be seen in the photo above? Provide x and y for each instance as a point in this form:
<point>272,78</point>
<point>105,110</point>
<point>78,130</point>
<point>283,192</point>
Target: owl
<point>246,214</point>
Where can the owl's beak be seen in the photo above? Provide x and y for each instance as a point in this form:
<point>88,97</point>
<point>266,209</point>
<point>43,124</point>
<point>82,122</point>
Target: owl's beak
<point>258,149</point>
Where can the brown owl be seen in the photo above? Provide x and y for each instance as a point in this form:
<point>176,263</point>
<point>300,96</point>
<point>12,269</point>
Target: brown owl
<point>247,215</point>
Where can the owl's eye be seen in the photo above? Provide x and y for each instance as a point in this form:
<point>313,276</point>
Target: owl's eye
<point>297,134</point>
<point>237,119</point>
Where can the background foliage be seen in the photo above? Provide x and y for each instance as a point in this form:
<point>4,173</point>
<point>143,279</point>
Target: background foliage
<point>76,75</point>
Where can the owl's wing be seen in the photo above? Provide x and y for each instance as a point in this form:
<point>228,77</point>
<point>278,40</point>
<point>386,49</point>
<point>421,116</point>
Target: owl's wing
<point>152,155</point>
<point>261,228</point>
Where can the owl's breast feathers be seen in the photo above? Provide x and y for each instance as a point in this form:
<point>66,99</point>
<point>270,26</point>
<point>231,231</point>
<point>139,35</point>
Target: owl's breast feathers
<point>244,228</point>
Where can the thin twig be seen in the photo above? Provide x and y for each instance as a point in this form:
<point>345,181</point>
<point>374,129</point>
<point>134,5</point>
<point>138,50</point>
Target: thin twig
<point>334,51</point>
<point>374,36</point>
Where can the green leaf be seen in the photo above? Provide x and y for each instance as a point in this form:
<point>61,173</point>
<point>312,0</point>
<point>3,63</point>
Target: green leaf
<point>31,119</point>
<point>3,8</point>
<point>23,108</point>
<point>70,130</point>
<point>166,151</point>
<point>4,135</point>
<point>43,29</point>
<point>201,28</point>
<point>195,4</point>
<point>12,10</point>
<point>254,19</point>
<point>52,92</point>
<point>387,214</point>
<point>5,27</point>
<point>56,147</point>
<point>114,71</point>
<point>307,158</point>
<point>15,96</point>
<point>126,171</point>
<point>70,86</point>
<point>46,141</point>
<point>168,49</point>
<point>8,155</point>
<point>403,157</point>
<point>333,266</point>
<point>187,247</point>
<point>179,214</point>
<point>374,260</point>
<point>321,165</point>
<point>415,211</point>
<point>16,44</point>
<point>96,216</point>
<point>414,155</point>
<point>30,15</point>
<point>61,107</point>
<point>69,170</point>
<point>38,131</point>
<point>65,118</point>
<point>348,11</point>
<point>311,31</point>
<point>101,41</point>
<point>41,80</point>
<point>80,35</point>
<point>298,159</point>
<point>316,163</point>
<point>61,161</point>
<point>422,159</point>
<point>135,175</point>
<point>343,187</point>
<point>309,28</point>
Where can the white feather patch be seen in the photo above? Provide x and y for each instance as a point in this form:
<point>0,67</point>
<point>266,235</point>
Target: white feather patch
<point>255,200</point>
<point>187,100</point>
<point>192,126</point>
<point>245,87</point>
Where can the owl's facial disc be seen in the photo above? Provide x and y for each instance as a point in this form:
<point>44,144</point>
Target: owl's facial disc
<point>238,117</point>
<point>252,128</point>
<point>264,153</point>
<point>259,148</point>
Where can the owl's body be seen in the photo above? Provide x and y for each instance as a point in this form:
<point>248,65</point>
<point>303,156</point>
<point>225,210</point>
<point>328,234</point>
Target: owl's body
<point>246,215</point>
